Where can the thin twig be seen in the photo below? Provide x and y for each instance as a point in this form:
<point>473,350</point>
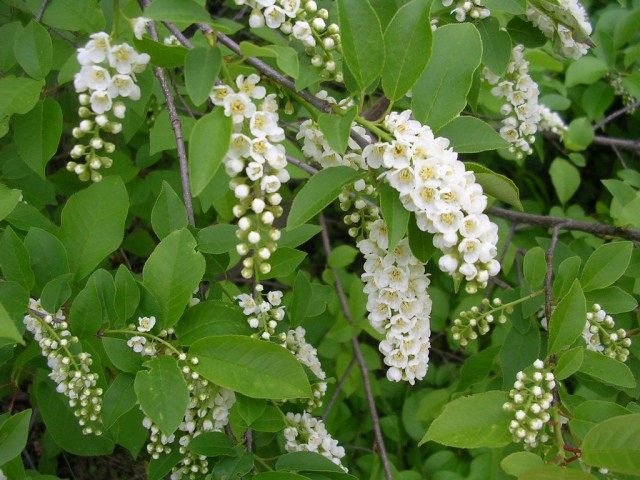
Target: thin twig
<point>616,114</point>
<point>339,386</point>
<point>302,165</point>
<point>40,13</point>
<point>176,125</point>
<point>624,143</point>
<point>178,34</point>
<point>548,278</point>
<point>362,364</point>
<point>600,229</point>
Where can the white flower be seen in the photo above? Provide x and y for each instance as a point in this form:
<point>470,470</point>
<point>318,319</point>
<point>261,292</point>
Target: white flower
<point>92,77</point>
<point>124,86</point>
<point>123,57</point>
<point>101,101</point>
<point>249,86</point>
<point>139,25</point>
<point>137,343</point>
<point>146,324</point>
<point>302,30</point>
<point>305,427</point>
<point>238,106</point>
<point>274,16</point>
<point>96,50</point>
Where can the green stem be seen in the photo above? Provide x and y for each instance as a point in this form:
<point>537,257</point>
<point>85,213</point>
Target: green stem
<point>557,431</point>
<point>116,19</point>
<point>263,463</point>
<point>372,127</point>
<point>134,333</point>
<point>511,304</point>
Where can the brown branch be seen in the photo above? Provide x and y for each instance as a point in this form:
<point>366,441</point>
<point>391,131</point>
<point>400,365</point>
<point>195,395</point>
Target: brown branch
<point>600,229</point>
<point>616,114</point>
<point>40,13</point>
<point>302,165</point>
<point>617,142</point>
<point>548,278</point>
<point>362,364</point>
<point>339,386</point>
<point>176,125</point>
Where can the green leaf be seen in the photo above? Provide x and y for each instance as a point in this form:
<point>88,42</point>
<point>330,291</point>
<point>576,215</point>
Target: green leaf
<point>93,306</point>
<point>217,239</point>
<point>579,135</point>
<point>201,68</point>
<point>606,265</point>
<point>569,363</point>
<point>93,224</point>
<point>56,292</point>
<point>421,243</point>
<point>567,319</point>
<point>496,185</point>
<point>395,215</point>
<point>567,272</point>
<point>13,435</point>
<point>293,237</point>
<point>286,57</point>
<point>284,262</point>
<point>270,421</point>
<point>362,40</point>
<point>553,472</point>
<point>337,128</point>
<point>612,299</point>
<point>8,329</point>
<point>74,15</point>
<point>33,50</point>
<point>306,462</point>
<point>614,444</point>
<point>587,414</point>
<point>318,192</point>
<point>251,367</point>
<point>250,409</point>
<point>407,41</point>
<point>496,45</point>
<point>18,95</point>
<point>47,254</point>
<point>127,295</point>
<point>471,135</point>
<point>181,11</point>
<point>212,444</point>
<point>14,260</point>
<point>534,267</point>
<point>121,355</point>
<point>524,32</point>
<point>208,144</point>
<point>440,93</point>
<point>519,462</point>
<point>515,7</point>
<point>162,393</point>
<point>459,425</point>
<point>169,213</point>
<point>342,256</point>
<point>210,318</point>
<point>608,370</point>
<point>119,398</point>
<point>565,178</point>
<point>9,198</point>
<point>37,133</point>
<point>172,273</point>
<point>279,476</point>
<point>165,56</point>
<point>585,70</point>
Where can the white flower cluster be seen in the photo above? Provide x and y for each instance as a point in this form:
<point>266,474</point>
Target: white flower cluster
<point>565,22</point>
<point>446,199</point>
<point>263,315</point>
<point>550,121</point>
<point>257,162</point>
<point>521,108</point>
<point>398,304</point>
<point>307,355</point>
<point>70,371</point>
<point>302,20</point>
<point>477,320</point>
<point>139,343</point>
<point>106,73</point>
<point>531,398</point>
<point>600,335</point>
<point>306,433</point>
<point>473,8</point>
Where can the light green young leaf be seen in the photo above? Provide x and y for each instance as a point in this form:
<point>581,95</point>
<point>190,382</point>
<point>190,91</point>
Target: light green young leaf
<point>515,7</point>
<point>286,57</point>
<point>166,56</point>
<point>13,435</point>
<point>127,294</point>
<point>608,370</point>
<point>74,15</point>
<point>459,425</point>
<point>612,299</point>
<point>168,213</point>
<point>162,393</point>
<point>284,262</point>
<point>395,215</point>
<point>181,11</point>
<point>569,363</point>
<point>440,93</point>
<point>606,265</point>
<point>496,45</point>
<point>496,185</point>
<point>534,267</point>
<point>208,144</point>
<point>565,178</point>
<point>553,472</point>
<point>407,41</point>
<point>614,444</point>
<point>8,329</point>
<point>318,192</point>
<point>579,135</point>
<point>250,366</point>
<point>567,319</point>
<point>34,51</point>
<point>342,256</point>
<point>14,260</point>
<point>9,198</point>
<point>519,462</point>
<point>471,135</point>
<point>586,70</point>
<point>37,133</point>
<point>362,40</point>
<point>18,95</point>
<point>201,68</point>
<point>337,128</point>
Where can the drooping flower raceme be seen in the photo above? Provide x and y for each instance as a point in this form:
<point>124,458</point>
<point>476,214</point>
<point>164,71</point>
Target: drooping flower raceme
<point>531,398</point>
<point>302,21</point>
<point>69,370</point>
<point>257,162</point>
<point>472,8</point>
<point>107,72</point>
<point>306,433</point>
<point>398,304</point>
<point>446,199</point>
<point>600,335</point>
<point>565,22</point>
<point>307,355</point>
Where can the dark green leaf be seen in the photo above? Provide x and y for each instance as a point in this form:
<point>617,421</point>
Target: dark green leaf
<point>14,260</point>
<point>496,185</point>
<point>201,68</point>
<point>337,128</point>
<point>607,370</point>
<point>569,363</point>
<point>33,50</point>
<point>471,135</point>
<point>13,435</point>
<point>496,45</point>
<point>181,11</point>
<point>567,319</point>
<point>209,319</point>
<point>169,213</point>
<point>534,267</point>
<point>614,444</point>
<point>606,265</point>
<point>395,215</point>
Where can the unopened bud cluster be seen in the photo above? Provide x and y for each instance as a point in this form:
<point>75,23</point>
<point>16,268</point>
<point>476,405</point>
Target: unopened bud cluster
<point>472,8</point>
<point>70,371</point>
<point>564,22</point>
<point>304,21</point>
<point>307,355</point>
<point>600,335</point>
<point>477,321</point>
<point>263,314</point>
<point>306,433</point>
<point>621,90</point>
<point>446,199</point>
<point>257,162</point>
<point>531,398</point>
<point>140,343</point>
<point>107,72</point>
<point>360,213</point>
